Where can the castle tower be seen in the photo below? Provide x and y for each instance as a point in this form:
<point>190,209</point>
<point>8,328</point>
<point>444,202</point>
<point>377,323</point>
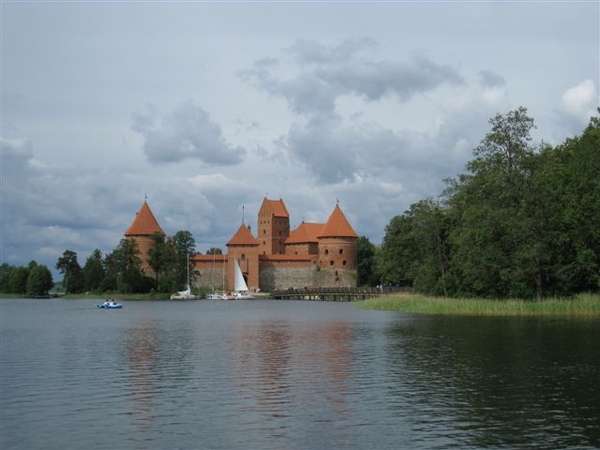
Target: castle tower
<point>243,248</point>
<point>143,227</point>
<point>273,227</point>
<point>338,245</point>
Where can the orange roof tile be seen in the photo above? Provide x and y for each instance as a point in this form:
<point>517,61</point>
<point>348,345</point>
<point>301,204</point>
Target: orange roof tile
<point>243,236</point>
<point>277,207</point>
<point>306,232</point>
<point>144,224</point>
<point>337,225</point>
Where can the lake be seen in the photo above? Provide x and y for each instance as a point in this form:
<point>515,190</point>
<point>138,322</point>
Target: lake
<point>265,374</point>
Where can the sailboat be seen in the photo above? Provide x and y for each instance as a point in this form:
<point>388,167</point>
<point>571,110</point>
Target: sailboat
<point>240,291</point>
<point>218,295</point>
<point>187,294</point>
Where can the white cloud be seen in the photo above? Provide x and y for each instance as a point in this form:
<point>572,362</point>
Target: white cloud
<point>580,101</point>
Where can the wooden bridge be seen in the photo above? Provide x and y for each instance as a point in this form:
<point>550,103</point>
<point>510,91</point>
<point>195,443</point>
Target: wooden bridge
<point>328,294</point>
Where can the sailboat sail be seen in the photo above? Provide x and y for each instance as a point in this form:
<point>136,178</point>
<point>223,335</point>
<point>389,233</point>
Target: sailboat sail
<point>240,283</point>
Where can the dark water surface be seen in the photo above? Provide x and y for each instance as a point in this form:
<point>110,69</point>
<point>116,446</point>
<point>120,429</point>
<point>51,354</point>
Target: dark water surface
<point>291,375</point>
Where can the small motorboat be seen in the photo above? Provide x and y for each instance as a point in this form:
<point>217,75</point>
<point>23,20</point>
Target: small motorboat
<point>110,304</point>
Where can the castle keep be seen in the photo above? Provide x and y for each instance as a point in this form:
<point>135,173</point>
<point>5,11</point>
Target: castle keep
<point>312,255</point>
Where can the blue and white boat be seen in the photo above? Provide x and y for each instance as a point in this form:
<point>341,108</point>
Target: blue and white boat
<point>110,304</point>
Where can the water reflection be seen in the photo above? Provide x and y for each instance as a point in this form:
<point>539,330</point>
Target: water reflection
<point>159,371</point>
<point>292,375</point>
<point>293,372</point>
<point>141,355</point>
<point>501,382</point>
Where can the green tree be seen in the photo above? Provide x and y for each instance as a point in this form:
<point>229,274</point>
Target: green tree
<point>69,267</point>
<point>494,242</point>
<point>17,283</point>
<point>39,281</point>
<point>161,258</point>
<point>430,236</point>
<point>124,265</point>
<point>416,250</point>
<point>93,271</point>
<point>185,246</point>
<point>214,251</point>
<point>366,263</point>
<point>5,271</point>
<point>394,261</point>
<point>573,192</point>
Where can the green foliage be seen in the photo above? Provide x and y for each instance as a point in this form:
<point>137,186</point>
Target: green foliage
<point>39,281</point>
<point>5,274</point>
<point>69,267</point>
<point>17,283</point>
<point>415,249</point>
<point>93,271</point>
<point>366,267</point>
<point>522,222</point>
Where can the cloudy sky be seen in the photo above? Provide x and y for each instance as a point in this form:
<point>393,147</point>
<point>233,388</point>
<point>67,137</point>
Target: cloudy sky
<point>208,107</point>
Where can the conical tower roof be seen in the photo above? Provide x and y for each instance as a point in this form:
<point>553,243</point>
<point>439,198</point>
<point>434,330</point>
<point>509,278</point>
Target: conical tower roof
<point>337,225</point>
<point>242,236</point>
<point>144,224</point>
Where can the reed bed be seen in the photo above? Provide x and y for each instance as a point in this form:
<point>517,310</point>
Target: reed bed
<point>580,305</point>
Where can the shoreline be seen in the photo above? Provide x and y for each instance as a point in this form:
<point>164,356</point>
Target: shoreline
<point>582,305</point>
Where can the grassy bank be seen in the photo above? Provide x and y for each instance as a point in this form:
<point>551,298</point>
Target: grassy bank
<point>580,305</point>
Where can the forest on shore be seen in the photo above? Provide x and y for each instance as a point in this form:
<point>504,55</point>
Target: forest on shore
<point>522,221</point>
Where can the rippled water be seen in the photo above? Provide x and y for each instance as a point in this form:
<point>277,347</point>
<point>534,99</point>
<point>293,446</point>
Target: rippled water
<point>291,375</point>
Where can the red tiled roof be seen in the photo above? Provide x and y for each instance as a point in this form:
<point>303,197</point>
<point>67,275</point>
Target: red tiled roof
<point>337,225</point>
<point>277,207</point>
<point>306,232</point>
<point>144,224</point>
<point>243,236</point>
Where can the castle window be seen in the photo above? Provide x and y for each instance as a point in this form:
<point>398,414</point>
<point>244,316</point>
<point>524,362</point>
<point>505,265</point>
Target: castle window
<point>243,257</point>
<point>343,262</point>
<point>331,262</point>
<point>341,251</point>
<point>326,252</point>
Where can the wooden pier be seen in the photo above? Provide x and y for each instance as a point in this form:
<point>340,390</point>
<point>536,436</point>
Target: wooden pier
<point>328,294</point>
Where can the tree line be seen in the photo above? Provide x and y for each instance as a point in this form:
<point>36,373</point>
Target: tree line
<point>118,271</point>
<point>523,221</point>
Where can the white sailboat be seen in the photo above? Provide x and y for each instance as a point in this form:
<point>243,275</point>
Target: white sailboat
<point>187,294</point>
<point>240,291</point>
<point>218,295</point>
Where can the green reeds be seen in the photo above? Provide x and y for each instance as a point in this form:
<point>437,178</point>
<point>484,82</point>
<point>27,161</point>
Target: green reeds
<point>580,305</point>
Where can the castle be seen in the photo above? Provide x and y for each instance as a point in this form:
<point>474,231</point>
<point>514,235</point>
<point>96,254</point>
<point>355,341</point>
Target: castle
<point>312,255</point>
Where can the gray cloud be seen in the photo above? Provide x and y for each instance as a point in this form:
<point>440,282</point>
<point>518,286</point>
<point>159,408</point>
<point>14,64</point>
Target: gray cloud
<point>491,79</point>
<point>325,73</point>
<point>368,120</point>
<point>187,132</point>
